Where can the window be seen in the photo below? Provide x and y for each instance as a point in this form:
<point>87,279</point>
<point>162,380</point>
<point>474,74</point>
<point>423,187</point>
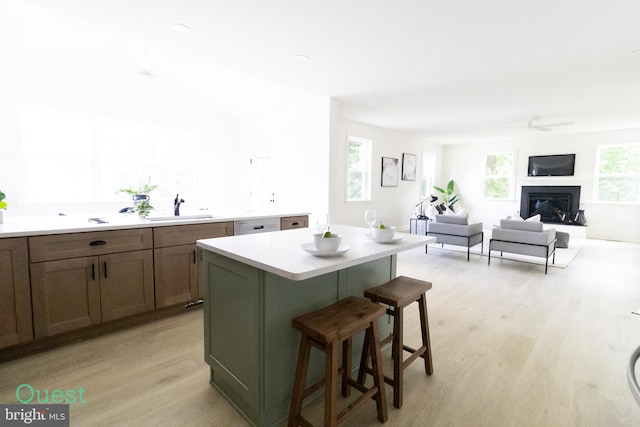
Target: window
<point>618,173</point>
<point>498,171</point>
<point>427,174</point>
<point>77,158</point>
<point>358,169</point>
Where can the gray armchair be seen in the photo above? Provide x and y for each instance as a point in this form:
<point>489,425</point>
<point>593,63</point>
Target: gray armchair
<point>456,230</point>
<point>524,238</point>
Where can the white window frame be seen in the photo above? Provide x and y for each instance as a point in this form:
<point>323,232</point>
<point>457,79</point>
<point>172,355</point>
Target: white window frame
<point>427,174</point>
<point>511,176</point>
<point>597,176</point>
<point>364,168</point>
<point>98,169</point>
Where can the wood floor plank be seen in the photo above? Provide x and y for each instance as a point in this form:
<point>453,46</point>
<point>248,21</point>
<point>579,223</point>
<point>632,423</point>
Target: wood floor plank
<point>511,346</point>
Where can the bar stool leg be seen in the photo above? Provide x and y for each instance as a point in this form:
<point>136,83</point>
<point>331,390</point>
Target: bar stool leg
<point>331,385</point>
<point>378,374</point>
<point>346,367</point>
<point>426,339</point>
<point>298,386</point>
<point>364,359</point>
<point>398,356</point>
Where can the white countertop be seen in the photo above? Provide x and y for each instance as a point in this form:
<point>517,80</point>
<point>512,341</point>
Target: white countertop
<point>43,225</point>
<point>281,253</point>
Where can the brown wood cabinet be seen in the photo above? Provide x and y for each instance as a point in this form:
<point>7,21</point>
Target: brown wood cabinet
<point>15,295</point>
<point>176,260</point>
<point>290,222</point>
<point>84,290</point>
<point>60,286</point>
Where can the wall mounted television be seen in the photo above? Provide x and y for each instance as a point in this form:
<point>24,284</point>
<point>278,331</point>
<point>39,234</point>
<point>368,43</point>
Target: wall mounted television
<point>553,165</point>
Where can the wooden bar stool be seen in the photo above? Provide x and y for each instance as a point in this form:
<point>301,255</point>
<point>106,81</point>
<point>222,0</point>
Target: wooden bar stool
<point>326,329</point>
<point>397,294</point>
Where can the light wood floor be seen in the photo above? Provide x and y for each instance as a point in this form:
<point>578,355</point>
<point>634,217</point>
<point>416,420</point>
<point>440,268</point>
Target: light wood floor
<point>511,346</point>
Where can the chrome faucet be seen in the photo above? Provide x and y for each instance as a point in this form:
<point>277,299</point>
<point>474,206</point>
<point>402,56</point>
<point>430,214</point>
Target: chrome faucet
<point>176,205</point>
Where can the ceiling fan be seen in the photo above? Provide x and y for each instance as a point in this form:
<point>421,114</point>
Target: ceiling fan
<point>534,123</point>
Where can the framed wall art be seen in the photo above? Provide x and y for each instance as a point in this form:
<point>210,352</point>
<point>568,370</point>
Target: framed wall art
<point>408,167</point>
<point>389,172</point>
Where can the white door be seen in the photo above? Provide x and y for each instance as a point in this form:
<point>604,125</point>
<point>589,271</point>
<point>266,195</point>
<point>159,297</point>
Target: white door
<point>264,180</point>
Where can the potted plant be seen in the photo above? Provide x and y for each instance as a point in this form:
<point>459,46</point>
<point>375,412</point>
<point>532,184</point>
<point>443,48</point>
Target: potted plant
<point>141,198</point>
<point>447,196</point>
<point>3,206</point>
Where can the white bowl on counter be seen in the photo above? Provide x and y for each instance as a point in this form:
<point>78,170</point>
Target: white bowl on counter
<point>383,234</point>
<point>327,243</point>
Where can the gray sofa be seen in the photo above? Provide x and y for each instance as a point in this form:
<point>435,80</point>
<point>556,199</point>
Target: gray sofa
<point>525,238</point>
<point>456,230</point>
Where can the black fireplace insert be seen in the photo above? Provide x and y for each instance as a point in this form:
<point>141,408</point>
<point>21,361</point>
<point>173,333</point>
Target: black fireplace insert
<point>555,204</point>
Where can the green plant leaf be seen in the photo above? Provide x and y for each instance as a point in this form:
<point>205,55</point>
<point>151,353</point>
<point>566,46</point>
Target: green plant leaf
<point>450,187</point>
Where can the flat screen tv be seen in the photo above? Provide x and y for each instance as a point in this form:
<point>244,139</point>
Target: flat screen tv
<point>555,165</point>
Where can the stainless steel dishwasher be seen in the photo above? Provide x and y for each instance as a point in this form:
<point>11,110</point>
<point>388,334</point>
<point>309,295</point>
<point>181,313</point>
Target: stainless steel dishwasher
<point>252,226</point>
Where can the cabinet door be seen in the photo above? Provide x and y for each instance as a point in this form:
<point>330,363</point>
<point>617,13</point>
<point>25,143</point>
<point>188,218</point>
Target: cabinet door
<point>15,295</point>
<point>176,278</point>
<point>66,295</point>
<point>126,284</point>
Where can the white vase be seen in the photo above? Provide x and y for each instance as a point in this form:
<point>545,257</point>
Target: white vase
<point>1,216</point>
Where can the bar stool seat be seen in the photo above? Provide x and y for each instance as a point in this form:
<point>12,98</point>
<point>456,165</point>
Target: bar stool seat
<point>397,294</point>
<point>326,329</point>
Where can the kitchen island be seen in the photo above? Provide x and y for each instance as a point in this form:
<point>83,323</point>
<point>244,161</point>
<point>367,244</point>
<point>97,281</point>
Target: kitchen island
<point>255,284</point>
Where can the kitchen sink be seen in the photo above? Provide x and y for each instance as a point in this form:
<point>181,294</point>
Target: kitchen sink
<point>178,218</point>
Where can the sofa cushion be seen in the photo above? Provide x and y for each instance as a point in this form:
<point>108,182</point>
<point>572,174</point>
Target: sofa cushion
<point>511,224</point>
<point>526,237</point>
<point>535,218</point>
<point>453,219</point>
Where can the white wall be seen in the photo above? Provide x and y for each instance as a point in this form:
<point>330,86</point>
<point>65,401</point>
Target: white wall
<point>56,62</point>
<point>394,205</point>
<point>608,221</point>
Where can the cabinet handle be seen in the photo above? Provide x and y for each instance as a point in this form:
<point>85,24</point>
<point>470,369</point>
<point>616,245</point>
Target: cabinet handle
<point>93,271</point>
<point>194,256</point>
<point>105,269</point>
<point>258,227</point>
<point>295,223</point>
<point>98,243</point>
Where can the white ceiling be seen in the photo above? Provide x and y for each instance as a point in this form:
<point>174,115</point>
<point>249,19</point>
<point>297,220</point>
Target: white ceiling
<point>453,71</point>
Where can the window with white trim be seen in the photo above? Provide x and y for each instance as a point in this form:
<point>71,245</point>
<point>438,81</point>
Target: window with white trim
<point>358,169</point>
<point>75,158</point>
<point>427,175</point>
<point>498,175</point>
<point>618,173</point>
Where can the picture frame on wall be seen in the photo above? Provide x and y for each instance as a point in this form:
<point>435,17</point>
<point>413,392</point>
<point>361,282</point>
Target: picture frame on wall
<point>389,172</point>
<point>409,162</point>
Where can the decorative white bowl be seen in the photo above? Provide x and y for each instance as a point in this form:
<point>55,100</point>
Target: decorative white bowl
<point>383,233</point>
<point>327,243</point>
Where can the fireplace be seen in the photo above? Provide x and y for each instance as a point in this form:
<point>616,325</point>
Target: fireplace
<point>555,204</point>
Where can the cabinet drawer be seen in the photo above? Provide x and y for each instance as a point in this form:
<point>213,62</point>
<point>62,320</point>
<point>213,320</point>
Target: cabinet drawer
<point>74,245</point>
<point>176,235</point>
<point>289,222</point>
